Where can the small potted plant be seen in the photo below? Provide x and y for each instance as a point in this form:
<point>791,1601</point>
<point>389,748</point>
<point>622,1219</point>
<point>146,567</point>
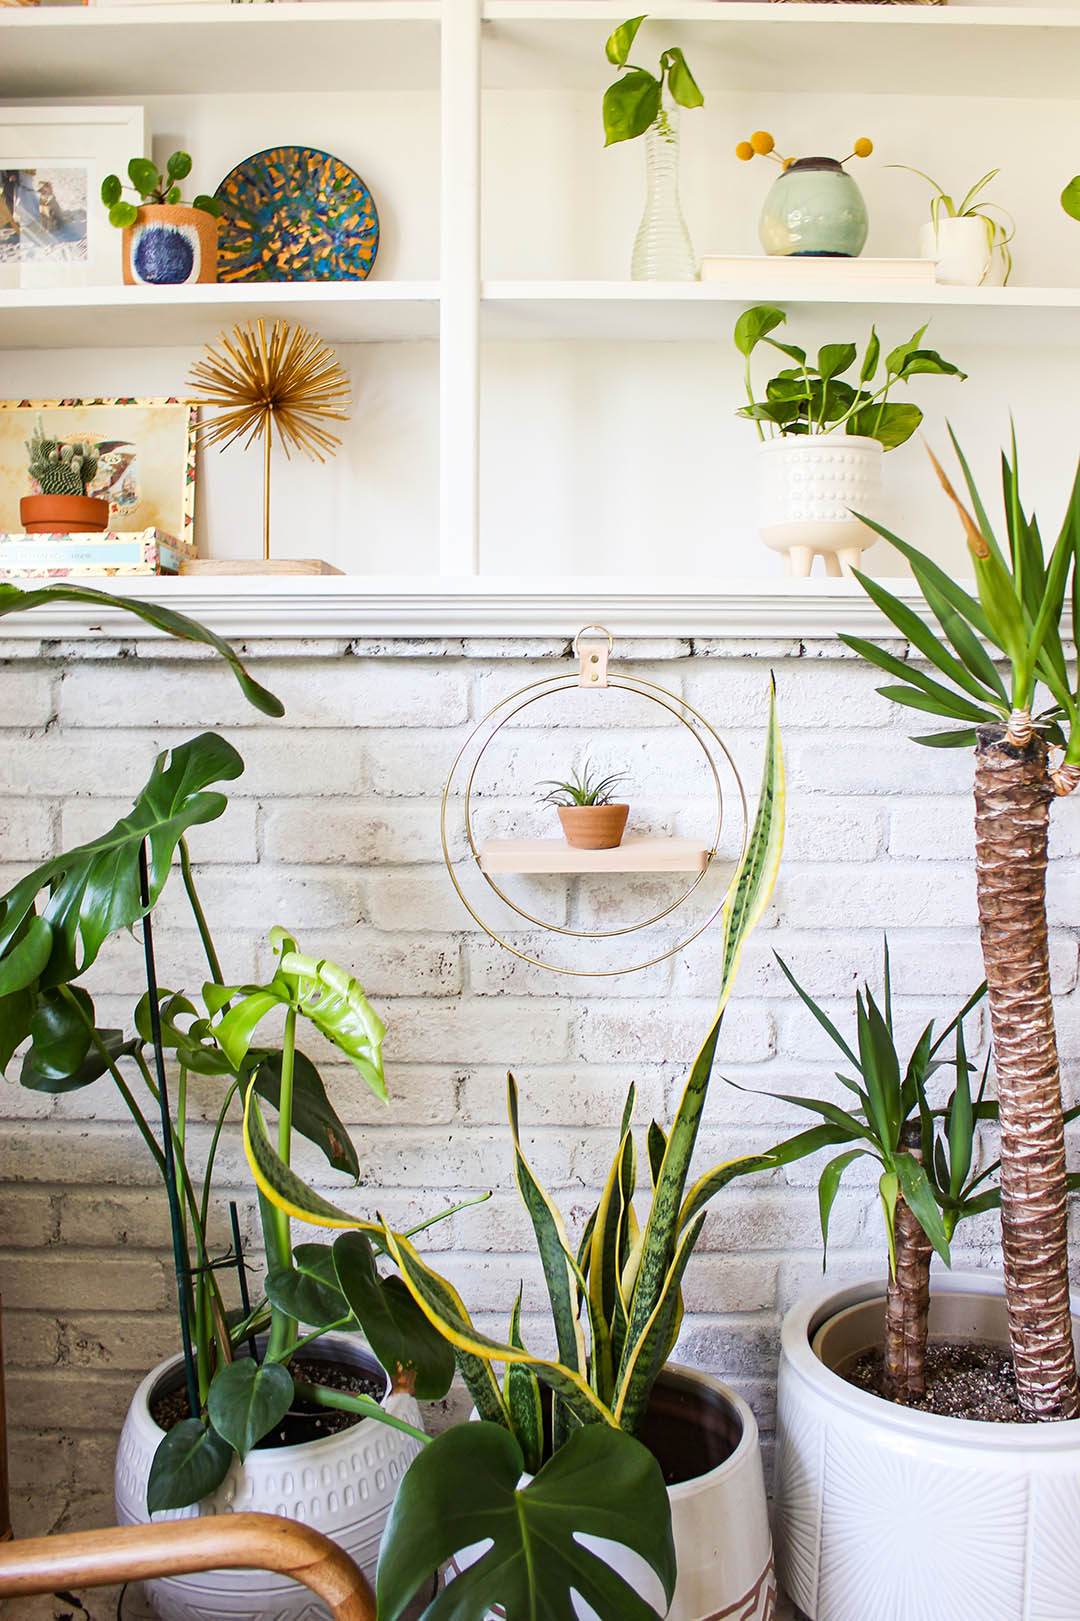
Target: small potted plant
<point>63,474</point>
<point>813,208</point>
<point>970,245</point>
<point>589,819</point>
<point>821,455</point>
<point>644,103</point>
<point>166,242</point>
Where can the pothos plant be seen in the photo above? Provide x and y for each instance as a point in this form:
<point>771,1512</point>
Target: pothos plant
<point>152,186</point>
<point>53,924</point>
<point>636,99</point>
<point>616,1303</point>
<point>815,397</point>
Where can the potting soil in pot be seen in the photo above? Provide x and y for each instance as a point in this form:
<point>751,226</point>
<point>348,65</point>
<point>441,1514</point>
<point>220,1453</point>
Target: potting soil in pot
<point>964,1379</point>
<point>305,1421</point>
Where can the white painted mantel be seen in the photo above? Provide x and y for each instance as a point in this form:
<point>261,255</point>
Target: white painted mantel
<point>305,608</point>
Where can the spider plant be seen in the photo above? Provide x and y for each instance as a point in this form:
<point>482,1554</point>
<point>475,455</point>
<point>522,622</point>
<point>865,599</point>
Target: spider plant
<point>999,232</point>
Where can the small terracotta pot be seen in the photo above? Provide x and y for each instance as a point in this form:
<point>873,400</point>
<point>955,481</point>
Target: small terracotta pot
<point>63,514</point>
<point>593,827</point>
<point>170,245</point>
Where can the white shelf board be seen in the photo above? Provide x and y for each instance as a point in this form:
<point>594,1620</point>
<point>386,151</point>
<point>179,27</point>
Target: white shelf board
<point>176,49</point>
<point>380,607</point>
<point>165,317</point>
<point>555,855</point>
<point>662,311</point>
<point>898,49</point>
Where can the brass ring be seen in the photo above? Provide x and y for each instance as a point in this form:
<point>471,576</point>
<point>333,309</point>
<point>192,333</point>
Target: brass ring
<point>580,634</point>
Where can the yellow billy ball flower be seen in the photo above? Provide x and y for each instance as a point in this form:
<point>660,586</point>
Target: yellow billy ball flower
<point>863,147</point>
<point>762,142</point>
<point>744,151</point>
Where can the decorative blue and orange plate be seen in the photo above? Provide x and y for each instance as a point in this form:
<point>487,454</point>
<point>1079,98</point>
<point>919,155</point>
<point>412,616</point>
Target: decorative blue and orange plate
<point>294,214</point>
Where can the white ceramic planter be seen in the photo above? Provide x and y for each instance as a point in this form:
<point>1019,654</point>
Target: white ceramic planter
<point>342,1485</point>
<point>887,1514</point>
<point>963,255</point>
<point>808,488</point>
<point>719,1519</point>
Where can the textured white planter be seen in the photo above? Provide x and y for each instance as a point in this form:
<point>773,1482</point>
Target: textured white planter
<point>342,1485</point>
<point>964,257</point>
<point>808,488</point>
<point>886,1514</point>
<point>719,1520</point>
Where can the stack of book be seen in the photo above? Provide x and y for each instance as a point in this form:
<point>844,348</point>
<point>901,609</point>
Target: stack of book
<point>147,551</point>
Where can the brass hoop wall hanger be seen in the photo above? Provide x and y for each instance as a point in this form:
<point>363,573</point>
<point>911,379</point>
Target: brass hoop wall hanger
<point>594,674</point>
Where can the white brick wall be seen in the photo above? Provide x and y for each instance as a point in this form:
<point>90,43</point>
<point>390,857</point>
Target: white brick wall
<point>334,830</point>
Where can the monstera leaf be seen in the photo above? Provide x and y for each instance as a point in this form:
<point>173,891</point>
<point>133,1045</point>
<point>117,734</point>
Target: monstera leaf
<point>463,1489</point>
<point>14,600</point>
<point>94,889</point>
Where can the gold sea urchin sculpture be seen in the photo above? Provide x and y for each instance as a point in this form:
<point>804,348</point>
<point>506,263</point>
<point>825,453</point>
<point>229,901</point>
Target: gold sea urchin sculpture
<point>293,383</point>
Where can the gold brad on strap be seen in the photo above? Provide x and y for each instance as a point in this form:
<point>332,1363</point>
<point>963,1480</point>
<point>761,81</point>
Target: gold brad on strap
<point>592,646</point>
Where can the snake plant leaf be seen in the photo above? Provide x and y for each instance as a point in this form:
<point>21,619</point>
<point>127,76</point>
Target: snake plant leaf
<point>795,1148</point>
<point>644,1357</point>
<point>753,882</point>
<point>313,1115</point>
<point>463,1489</point>
<point>656,1144</point>
<point>189,1464</point>
<point>309,1289</point>
<point>281,1185</point>
<point>561,1273</point>
<point>14,600</point>
<point>247,1399</point>
<point>522,1391</point>
<point>828,1186</point>
<point>414,1354</point>
<point>94,889</point>
<point>443,1306</point>
<point>606,1259</point>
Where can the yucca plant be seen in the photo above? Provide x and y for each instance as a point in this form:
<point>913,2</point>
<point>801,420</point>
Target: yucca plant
<point>1021,596</point>
<point>616,1304</point>
<point>929,1178</point>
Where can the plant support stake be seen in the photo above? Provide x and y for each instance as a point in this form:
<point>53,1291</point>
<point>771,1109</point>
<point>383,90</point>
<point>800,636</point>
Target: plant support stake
<point>180,1259</point>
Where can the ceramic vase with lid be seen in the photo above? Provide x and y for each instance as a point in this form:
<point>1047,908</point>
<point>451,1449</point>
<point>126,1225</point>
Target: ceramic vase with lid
<point>814,208</point>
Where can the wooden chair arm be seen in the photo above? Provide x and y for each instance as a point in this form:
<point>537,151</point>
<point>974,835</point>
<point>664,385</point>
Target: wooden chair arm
<point>132,1553</point>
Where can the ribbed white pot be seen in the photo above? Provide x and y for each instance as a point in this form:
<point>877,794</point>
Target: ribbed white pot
<point>809,486</point>
<point>719,1519</point>
<point>342,1485</point>
<point>883,1513</point>
<point>962,251</point>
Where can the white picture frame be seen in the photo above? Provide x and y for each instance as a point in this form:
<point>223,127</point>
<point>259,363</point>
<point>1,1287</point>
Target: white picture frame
<point>99,140</point>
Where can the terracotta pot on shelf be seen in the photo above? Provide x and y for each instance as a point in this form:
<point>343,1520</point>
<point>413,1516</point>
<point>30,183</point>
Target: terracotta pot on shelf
<point>63,514</point>
<point>593,827</point>
<point>170,245</point>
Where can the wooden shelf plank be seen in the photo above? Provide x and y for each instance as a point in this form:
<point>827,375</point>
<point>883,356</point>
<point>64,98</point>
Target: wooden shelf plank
<point>555,855</point>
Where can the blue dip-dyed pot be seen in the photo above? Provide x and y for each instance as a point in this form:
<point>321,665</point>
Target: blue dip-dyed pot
<point>814,208</point>
<point>170,245</point>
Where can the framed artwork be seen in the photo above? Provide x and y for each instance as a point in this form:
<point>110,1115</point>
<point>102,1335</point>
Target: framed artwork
<point>146,458</point>
<point>54,230</point>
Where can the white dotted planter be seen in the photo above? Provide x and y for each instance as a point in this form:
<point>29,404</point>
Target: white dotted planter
<point>887,1514</point>
<point>342,1485</point>
<point>808,488</point>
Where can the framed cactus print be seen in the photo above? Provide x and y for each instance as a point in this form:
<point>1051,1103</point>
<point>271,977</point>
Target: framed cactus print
<point>54,230</point>
<point>145,458</point>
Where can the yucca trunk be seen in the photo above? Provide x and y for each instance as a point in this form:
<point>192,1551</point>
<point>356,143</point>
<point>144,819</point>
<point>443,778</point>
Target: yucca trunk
<point>1013,793</point>
<point>907,1300</point>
